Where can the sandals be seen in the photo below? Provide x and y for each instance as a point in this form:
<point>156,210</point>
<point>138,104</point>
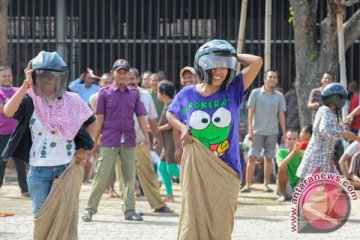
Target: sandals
<point>168,198</point>
<point>6,214</point>
<point>114,194</point>
<point>87,216</point>
<point>164,209</point>
<point>245,189</point>
<point>267,189</point>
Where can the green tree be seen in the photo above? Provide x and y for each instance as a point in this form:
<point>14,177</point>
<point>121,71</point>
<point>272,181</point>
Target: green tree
<point>314,57</point>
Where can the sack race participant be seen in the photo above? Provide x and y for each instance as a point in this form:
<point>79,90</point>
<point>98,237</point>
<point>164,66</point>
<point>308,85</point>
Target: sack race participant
<point>54,139</point>
<point>209,112</point>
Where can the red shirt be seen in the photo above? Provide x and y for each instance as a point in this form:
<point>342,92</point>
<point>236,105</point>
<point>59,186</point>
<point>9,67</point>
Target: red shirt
<point>303,145</point>
<point>353,104</point>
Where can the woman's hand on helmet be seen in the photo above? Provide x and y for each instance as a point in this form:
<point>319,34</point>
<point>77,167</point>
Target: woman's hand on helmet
<point>28,73</point>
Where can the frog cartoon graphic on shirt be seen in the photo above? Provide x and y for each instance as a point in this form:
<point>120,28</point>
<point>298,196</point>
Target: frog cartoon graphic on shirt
<point>212,131</point>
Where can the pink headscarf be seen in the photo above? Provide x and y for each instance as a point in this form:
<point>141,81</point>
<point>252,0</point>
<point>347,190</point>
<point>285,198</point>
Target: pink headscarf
<point>63,116</point>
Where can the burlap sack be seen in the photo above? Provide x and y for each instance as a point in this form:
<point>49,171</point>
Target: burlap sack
<point>147,177</point>
<point>58,217</point>
<point>209,190</point>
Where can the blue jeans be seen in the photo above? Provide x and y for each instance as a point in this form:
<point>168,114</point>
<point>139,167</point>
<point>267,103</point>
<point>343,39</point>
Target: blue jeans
<point>40,180</point>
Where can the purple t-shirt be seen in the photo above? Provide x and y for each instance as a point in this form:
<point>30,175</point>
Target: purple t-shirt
<point>213,120</point>
<point>7,125</point>
<point>118,109</point>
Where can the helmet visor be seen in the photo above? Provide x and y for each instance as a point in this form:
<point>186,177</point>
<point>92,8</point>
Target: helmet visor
<point>341,101</point>
<point>57,81</point>
<point>211,61</point>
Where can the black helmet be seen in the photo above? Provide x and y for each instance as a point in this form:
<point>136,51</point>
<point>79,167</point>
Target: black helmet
<point>215,54</point>
<point>334,93</point>
<point>49,61</point>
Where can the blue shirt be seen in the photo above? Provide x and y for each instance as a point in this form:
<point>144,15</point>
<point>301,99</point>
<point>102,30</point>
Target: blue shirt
<point>83,92</point>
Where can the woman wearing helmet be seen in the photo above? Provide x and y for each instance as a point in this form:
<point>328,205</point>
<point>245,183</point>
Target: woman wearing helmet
<point>207,116</point>
<point>327,128</point>
<point>50,134</point>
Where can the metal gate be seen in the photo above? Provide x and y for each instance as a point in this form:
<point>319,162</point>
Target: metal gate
<point>151,34</point>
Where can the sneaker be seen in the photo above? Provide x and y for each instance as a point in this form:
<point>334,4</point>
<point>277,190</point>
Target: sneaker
<point>86,216</point>
<point>114,194</point>
<point>140,213</point>
<point>245,189</point>
<point>267,189</point>
<point>134,217</point>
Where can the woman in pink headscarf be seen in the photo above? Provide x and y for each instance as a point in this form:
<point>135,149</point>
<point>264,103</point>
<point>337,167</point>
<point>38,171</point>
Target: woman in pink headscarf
<point>53,129</point>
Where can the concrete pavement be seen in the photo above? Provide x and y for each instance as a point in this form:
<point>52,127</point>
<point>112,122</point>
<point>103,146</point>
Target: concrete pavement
<point>258,216</point>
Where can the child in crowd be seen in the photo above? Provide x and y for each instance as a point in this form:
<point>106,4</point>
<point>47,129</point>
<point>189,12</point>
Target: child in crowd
<point>168,164</point>
<point>304,137</point>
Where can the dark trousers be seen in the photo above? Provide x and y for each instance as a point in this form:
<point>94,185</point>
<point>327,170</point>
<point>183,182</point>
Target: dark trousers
<point>19,164</point>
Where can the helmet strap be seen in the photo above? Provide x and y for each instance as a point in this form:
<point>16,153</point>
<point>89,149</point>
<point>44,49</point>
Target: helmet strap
<point>225,83</point>
<point>208,77</point>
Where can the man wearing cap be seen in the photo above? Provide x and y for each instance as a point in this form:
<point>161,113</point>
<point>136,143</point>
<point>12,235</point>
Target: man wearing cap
<point>188,76</point>
<point>115,109</point>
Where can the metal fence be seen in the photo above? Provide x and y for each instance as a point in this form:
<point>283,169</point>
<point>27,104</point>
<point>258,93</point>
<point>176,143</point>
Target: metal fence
<point>151,34</point>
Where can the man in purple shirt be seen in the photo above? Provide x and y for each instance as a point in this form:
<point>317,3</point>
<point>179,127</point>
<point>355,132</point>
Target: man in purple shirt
<point>115,109</point>
<point>7,126</point>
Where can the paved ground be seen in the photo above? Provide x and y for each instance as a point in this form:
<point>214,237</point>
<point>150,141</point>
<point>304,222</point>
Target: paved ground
<point>258,216</point>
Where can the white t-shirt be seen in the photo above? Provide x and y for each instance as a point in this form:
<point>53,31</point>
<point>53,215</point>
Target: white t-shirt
<point>146,99</point>
<point>92,101</point>
<point>47,148</point>
<point>352,149</point>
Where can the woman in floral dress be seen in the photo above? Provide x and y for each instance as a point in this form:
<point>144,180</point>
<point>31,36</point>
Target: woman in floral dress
<point>327,128</point>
